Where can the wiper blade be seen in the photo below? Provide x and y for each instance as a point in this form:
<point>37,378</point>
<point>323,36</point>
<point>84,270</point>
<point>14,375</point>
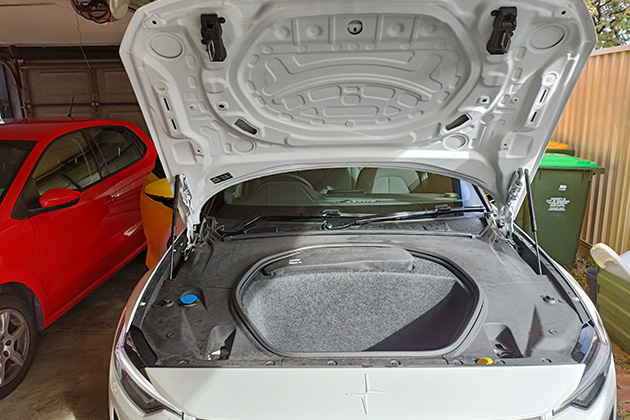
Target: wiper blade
<point>287,218</point>
<point>408,215</point>
<point>439,210</point>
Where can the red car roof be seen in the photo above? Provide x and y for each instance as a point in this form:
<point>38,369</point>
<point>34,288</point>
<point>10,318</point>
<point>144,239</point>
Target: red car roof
<point>36,128</point>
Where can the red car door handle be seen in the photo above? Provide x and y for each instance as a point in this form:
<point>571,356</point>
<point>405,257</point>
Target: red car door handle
<point>112,198</point>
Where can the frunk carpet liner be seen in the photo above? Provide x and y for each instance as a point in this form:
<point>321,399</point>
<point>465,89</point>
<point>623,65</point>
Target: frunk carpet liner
<point>357,299</point>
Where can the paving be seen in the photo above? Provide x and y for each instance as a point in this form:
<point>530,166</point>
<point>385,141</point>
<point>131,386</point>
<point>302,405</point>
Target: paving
<point>623,388</point>
<point>622,367</point>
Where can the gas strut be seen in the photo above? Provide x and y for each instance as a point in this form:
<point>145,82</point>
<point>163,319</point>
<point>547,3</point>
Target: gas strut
<point>532,217</point>
<point>174,224</point>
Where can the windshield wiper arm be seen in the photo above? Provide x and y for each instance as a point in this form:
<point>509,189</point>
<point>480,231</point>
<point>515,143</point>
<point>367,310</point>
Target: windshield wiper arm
<point>328,215</point>
<point>439,210</point>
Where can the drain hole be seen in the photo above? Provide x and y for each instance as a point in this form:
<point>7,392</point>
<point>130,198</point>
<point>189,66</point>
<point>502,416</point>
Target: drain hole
<point>534,116</point>
<point>461,120</point>
<point>245,126</point>
<point>502,339</point>
<point>174,124</point>
<point>168,108</point>
<point>220,344</point>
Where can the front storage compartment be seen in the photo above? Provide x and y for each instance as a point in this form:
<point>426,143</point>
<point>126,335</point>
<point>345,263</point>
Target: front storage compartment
<point>356,299</point>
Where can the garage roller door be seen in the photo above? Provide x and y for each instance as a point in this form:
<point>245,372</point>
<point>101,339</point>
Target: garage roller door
<point>101,90</point>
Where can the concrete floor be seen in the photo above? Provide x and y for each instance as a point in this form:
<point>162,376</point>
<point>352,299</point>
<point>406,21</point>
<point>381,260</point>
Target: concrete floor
<point>68,379</point>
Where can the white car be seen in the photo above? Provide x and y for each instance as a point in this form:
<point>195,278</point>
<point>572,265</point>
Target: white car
<point>331,160</point>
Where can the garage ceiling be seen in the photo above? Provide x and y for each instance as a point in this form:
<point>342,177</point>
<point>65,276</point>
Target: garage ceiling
<point>54,22</point>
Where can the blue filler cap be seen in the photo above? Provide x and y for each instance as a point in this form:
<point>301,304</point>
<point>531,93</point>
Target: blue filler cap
<point>188,300</point>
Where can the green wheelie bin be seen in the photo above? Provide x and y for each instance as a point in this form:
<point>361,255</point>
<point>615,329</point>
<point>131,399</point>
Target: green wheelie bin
<point>560,190</point>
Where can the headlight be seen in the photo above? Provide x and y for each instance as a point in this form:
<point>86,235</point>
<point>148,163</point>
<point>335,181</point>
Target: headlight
<point>593,349</point>
<point>135,384</point>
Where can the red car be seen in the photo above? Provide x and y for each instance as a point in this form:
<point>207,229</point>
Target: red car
<point>69,218</point>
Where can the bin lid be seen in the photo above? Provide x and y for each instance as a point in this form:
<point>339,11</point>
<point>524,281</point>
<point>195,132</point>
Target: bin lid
<point>565,161</point>
<point>556,145</point>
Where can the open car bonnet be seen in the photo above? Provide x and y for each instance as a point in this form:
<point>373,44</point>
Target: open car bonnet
<point>241,89</point>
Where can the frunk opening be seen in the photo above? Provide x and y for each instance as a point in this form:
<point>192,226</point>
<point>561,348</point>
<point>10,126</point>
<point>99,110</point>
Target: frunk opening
<point>357,299</point>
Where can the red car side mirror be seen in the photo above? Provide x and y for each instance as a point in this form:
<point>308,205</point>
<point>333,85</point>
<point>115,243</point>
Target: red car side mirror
<point>58,197</point>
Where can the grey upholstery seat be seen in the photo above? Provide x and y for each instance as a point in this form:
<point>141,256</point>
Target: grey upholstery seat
<point>8,168</point>
<point>388,181</point>
<point>324,180</point>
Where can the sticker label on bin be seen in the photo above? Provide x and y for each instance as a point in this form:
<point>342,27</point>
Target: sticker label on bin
<point>557,203</point>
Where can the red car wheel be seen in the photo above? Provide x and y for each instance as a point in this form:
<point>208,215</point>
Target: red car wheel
<point>18,333</point>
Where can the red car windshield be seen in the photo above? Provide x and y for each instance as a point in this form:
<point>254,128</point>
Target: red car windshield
<point>12,157</point>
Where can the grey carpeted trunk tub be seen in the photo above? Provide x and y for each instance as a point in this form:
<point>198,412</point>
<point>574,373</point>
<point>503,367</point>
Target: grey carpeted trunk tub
<point>357,299</point>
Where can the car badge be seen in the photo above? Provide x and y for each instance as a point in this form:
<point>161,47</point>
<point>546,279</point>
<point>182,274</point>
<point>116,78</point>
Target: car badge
<point>364,395</point>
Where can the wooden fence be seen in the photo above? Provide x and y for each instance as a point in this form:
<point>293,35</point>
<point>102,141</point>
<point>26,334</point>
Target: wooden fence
<point>596,123</point>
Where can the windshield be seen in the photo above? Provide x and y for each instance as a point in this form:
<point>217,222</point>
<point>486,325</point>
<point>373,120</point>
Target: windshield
<point>357,191</point>
<point>12,157</point>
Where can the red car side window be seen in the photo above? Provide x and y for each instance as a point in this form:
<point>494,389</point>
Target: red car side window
<point>67,163</point>
<point>12,156</point>
<point>118,149</point>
